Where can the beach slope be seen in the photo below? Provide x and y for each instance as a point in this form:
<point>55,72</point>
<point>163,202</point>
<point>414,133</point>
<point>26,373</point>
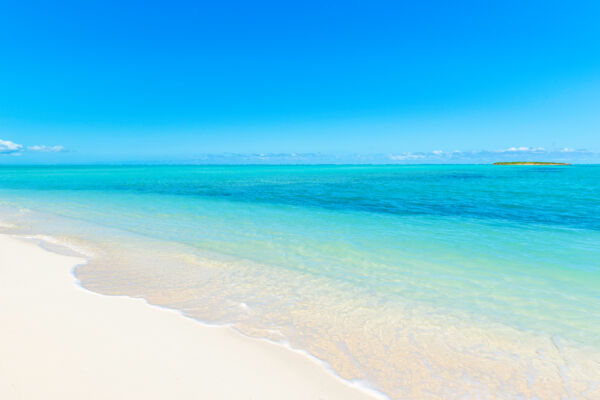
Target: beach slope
<point>60,341</point>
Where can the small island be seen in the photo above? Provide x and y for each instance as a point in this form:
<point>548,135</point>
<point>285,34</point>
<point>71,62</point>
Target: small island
<point>529,163</point>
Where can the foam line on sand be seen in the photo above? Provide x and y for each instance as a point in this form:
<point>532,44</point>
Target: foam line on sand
<point>60,341</point>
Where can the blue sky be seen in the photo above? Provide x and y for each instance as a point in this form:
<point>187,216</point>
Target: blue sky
<point>234,81</point>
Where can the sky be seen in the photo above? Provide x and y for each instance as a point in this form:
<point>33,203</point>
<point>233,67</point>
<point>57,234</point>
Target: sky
<point>272,81</point>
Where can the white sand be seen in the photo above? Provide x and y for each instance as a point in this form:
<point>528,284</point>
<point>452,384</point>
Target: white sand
<point>60,341</point>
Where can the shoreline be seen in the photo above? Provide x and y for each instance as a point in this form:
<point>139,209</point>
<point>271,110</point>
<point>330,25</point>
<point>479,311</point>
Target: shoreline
<point>469,356</point>
<point>65,341</point>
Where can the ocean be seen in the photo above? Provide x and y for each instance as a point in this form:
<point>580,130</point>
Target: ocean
<point>418,281</point>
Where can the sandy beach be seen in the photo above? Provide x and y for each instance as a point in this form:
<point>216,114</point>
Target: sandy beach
<point>60,341</point>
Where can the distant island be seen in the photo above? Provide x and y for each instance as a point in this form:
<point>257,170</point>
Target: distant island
<point>529,163</point>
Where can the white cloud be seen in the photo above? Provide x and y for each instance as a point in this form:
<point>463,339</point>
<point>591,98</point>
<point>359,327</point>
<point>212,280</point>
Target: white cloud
<point>523,149</point>
<point>515,153</point>
<point>405,157</point>
<point>46,149</point>
<point>12,148</point>
<point>8,147</point>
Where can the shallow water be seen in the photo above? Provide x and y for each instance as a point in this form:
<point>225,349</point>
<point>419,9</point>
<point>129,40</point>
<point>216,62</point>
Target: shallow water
<point>423,281</point>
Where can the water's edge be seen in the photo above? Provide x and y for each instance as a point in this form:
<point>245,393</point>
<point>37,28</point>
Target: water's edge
<point>51,244</point>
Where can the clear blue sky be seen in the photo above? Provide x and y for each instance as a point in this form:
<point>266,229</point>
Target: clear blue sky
<point>133,80</point>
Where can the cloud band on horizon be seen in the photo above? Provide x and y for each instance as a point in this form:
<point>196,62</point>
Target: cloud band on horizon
<point>515,153</point>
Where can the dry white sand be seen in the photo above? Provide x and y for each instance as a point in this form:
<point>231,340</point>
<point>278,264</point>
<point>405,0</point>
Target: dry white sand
<point>60,341</point>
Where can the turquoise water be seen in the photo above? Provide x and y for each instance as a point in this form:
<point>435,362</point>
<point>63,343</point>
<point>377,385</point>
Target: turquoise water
<point>420,281</point>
